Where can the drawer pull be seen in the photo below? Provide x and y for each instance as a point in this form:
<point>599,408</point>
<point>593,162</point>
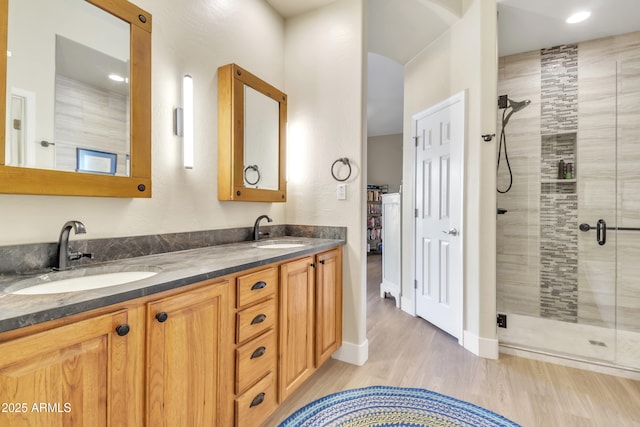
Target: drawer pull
<point>123,329</point>
<point>259,319</point>
<point>260,351</point>
<point>259,285</point>
<point>257,400</point>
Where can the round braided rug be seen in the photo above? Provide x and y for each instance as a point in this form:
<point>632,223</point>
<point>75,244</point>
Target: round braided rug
<point>380,406</point>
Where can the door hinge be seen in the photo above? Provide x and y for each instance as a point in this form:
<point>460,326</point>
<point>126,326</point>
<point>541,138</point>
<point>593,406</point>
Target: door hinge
<point>416,213</point>
<point>415,284</point>
<point>415,140</point>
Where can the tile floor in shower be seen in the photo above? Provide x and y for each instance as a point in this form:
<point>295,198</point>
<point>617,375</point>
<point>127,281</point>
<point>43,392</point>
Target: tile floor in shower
<point>572,340</point>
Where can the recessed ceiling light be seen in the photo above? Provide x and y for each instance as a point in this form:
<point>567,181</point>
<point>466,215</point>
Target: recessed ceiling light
<point>578,17</point>
<point>116,78</point>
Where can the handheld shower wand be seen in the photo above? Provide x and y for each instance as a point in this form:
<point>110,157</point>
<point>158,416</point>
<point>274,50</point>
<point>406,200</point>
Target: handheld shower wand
<point>514,107</point>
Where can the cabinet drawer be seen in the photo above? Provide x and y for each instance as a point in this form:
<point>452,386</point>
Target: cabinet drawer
<point>254,406</point>
<point>254,320</point>
<point>255,359</point>
<point>256,286</point>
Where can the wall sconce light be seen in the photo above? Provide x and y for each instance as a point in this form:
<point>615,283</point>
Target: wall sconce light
<point>183,119</point>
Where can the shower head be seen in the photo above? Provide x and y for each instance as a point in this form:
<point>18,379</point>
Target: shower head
<point>515,107</point>
<point>518,105</point>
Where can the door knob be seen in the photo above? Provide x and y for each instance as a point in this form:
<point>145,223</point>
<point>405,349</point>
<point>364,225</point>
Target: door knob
<point>452,232</point>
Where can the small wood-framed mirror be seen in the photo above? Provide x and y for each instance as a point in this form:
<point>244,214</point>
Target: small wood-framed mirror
<point>252,123</point>
<point>62,142</point>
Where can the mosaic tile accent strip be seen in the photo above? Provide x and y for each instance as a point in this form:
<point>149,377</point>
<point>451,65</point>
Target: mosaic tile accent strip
<point>559,97</point>
<point>558,200</point>
<point>559,257</point>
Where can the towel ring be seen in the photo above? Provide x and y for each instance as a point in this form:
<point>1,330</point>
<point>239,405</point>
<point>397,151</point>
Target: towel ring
<point>344,161</point>
<point>253,168</point>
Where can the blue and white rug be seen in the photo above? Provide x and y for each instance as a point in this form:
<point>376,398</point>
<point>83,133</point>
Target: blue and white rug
<point>380,406</point>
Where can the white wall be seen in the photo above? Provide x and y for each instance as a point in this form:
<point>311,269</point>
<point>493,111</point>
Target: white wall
<point>192,37</point>
<point>464,58</point>
<point>384,161</point>
<point>324,57</point>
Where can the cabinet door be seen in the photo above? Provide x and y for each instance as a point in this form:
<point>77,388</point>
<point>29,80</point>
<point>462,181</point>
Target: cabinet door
<point>296,324</point>
<point>190,369</point>
<point>80,374</point>
<point>328,304</point>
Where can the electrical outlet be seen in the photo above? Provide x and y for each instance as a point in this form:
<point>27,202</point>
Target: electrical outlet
<point>502,320</point>
<point>342,191</point>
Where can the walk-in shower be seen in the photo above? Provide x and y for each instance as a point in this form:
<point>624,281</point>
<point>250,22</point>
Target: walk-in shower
<point>569,290</point>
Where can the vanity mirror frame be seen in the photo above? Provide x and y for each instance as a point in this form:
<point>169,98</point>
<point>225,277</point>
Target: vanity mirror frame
<point>22,180</point>
<point>232,80</point>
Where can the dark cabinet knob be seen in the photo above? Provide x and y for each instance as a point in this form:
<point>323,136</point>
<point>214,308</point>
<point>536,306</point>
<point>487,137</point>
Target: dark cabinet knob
<point>259,319</point>
<point>123,329</point>
<point>313,265</point>
<point>257,400</point>
<point>260,351</point>
<point>259,285</point>
<point>322,261</point>
<point>162,316</point>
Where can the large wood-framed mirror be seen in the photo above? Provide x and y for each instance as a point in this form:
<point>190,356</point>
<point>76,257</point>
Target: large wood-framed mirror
<point>76,81</point>
<point>252,123</point>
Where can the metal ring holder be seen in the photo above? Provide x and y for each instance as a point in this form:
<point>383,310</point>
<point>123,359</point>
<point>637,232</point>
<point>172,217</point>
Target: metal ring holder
<point>254,168</point>
<point>344,161</point>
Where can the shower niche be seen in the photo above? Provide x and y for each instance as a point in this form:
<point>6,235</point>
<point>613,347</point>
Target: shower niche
<point>558,163</point>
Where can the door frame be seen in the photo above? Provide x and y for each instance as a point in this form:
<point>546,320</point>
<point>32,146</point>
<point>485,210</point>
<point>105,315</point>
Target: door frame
<point>460,97</point>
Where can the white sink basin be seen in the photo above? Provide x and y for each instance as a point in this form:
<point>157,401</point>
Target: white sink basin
<point>84,283</point>
<point>280,244</point>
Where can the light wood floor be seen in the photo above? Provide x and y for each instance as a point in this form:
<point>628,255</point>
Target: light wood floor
<point>407,351</point>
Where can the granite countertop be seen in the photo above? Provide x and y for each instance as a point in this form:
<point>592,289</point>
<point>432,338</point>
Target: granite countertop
<point>174,269</point>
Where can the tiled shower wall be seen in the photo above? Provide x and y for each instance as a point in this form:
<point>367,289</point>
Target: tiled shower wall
<point>546,267</point>
<point>90,117</point>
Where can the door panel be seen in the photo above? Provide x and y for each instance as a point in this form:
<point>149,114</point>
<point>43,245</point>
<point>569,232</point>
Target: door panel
<point>439,146</point>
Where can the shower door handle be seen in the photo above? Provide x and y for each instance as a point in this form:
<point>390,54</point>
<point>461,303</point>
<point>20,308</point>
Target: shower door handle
<point>601,232</point>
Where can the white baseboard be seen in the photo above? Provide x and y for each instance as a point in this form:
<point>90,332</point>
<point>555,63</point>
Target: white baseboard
<point>407,305</point>
<point>356,354</point>
<point>483,347</point>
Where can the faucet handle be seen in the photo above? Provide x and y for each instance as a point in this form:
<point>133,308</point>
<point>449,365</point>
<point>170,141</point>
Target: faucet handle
<point>75,255</point>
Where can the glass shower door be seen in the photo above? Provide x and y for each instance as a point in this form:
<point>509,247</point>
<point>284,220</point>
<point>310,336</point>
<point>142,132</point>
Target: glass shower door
<point>628,213</point>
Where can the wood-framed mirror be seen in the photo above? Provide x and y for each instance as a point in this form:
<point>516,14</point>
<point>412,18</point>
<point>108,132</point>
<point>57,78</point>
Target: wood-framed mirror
<point>53,140</point>
<point>252,124</point>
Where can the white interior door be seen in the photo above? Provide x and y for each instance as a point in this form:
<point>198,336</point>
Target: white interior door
<point>439,135</point>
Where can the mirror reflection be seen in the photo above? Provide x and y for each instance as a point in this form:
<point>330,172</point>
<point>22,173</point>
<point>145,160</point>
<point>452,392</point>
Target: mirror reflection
<point>68,97</point>
<point>261,140</point>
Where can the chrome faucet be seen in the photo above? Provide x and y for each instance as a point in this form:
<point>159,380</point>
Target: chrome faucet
<point>65,253</point>
<point>256,227</point>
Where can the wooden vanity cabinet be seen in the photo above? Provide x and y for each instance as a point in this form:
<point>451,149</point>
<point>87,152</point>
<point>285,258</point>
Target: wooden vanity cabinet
<point>189,358</point>
<point>310,316</point>
<point>256,351</point>
<point>328,304</point>
<point>222,352</point>
<point>297,322</point>
<point>87,373</point>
